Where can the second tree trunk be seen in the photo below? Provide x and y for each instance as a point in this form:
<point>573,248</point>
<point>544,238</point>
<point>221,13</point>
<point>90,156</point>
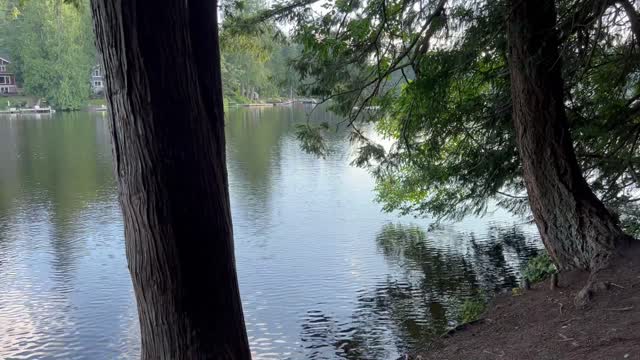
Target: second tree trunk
<point>576,228</point>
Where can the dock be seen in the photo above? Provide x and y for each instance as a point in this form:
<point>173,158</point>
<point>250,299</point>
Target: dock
<point>281,103</point>
<point>33,110</point>
<point>256,105</point>
<point>307,101</point>
<point>101,108</point>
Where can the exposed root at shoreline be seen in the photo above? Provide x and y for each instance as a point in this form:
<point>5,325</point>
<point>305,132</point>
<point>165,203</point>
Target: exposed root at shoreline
<point>571,321</point>
<point>600,279</point>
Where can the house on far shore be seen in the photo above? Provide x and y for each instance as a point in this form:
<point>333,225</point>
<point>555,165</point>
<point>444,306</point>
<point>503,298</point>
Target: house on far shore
<point>7,78</point>
<point>97,80</point>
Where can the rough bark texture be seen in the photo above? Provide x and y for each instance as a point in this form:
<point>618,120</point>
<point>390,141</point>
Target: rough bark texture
<point>164,90</point>
<point>576,228</point>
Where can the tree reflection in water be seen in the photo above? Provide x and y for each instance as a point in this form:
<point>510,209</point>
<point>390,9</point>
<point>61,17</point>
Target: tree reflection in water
<point>421,299</point>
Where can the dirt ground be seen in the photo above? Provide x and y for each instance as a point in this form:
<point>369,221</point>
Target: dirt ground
<point>545,324</point>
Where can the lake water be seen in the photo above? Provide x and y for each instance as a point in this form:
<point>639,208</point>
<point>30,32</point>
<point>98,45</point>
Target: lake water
<point>323,273</point>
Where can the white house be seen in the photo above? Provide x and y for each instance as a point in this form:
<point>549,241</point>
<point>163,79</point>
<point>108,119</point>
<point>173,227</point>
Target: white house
<point>7,78</point>
<point>97,79</point>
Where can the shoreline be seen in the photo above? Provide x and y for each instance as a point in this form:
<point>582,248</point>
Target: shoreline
<point>544,323</point>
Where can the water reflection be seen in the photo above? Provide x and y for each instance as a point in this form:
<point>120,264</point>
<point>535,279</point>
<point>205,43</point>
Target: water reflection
<point>256,137</point>
<point>54,169</point>
<point>323,273</point>
<point>497,260</point>
<point>57,212</point>
<point>422,299</point>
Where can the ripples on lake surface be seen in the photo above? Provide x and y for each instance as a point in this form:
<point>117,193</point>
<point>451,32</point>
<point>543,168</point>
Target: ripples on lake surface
<point>323,273</point>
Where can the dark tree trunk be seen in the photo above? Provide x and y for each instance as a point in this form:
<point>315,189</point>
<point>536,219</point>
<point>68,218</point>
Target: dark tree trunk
<point>574,224</point>
<point>164,90</point>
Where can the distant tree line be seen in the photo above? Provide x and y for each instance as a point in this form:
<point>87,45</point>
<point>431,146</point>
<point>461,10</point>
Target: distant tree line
<point>52,48</point>
<point>256,63</point>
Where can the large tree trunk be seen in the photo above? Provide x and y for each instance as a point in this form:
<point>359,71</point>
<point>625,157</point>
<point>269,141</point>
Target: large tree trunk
<point>574,224</point>
<point>164,90</point>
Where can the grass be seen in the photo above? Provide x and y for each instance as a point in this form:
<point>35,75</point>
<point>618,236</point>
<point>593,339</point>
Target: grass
<point>472,309</point>
<point>16,101</point>
<point>97,102</point>
<point>22,101</point>
<point>232,99</point>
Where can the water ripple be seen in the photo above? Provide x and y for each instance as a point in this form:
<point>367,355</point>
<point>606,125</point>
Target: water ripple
<point>323,273</point>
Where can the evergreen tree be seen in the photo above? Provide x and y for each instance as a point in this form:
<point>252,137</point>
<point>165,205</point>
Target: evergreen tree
<point>255,62</point>
<point>439,72</point>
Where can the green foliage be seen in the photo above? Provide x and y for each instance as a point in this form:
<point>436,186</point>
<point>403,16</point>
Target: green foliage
<point>97,102</point>
<point>517,291</point>
<point>472,309</point>
<point>438,71</point>
<point>15,101</point>
<point>454,146</point>
<point>539,268</point>
<point>235,98</point>
<point>255,61</point>
<point>51,43</point>
<point>311,138</point>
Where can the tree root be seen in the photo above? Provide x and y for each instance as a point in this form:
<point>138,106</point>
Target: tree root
<point>599,278</point>
<point>553,283</point>
<point>584,296</point>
